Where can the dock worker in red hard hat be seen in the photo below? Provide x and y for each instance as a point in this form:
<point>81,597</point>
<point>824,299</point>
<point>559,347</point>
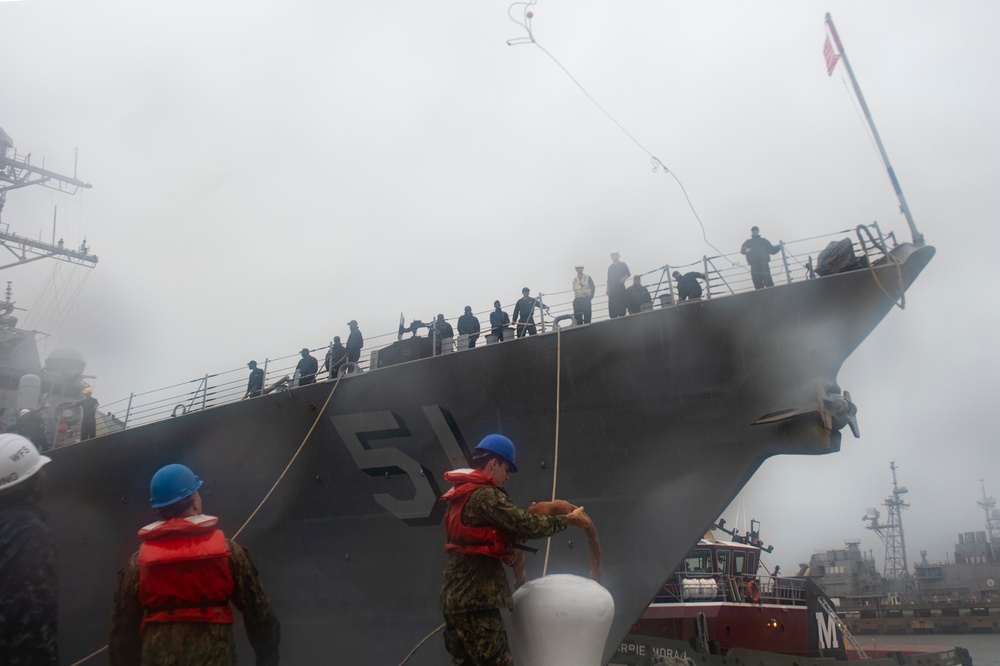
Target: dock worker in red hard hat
<point>174,597</point>
<point>29,587</point>
<point>484,529</point>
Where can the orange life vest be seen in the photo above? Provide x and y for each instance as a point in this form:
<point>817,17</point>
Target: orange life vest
<point>471,540</point>
<point>184,571</point>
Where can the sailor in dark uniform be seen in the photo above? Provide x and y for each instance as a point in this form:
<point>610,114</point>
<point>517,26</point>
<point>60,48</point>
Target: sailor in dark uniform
<point>758,251</point>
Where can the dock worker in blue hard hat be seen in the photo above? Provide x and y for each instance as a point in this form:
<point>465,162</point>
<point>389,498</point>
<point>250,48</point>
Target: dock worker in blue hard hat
<point>173,605</point>
<point>29,587</point>
<point>484,530</point>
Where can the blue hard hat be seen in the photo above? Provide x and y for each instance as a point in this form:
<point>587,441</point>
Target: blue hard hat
<point>171,484</point>
<point>501,446</point>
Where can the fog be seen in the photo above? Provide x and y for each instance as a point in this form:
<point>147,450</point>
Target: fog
<point>265,172</point>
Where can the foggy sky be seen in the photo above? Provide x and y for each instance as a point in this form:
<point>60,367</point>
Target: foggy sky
<point>264,172</point>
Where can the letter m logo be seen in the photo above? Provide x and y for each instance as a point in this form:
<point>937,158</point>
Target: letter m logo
<point>826,630</point>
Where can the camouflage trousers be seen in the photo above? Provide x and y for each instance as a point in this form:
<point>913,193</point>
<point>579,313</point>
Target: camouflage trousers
<point>477,639</point>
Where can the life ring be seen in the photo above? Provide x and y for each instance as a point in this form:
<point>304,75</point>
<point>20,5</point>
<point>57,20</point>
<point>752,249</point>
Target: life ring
<point>990,582</point>
<point>753,592</point>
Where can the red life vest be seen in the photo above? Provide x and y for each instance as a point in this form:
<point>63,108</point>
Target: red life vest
<point>184,571</point>
<point>471,540</point>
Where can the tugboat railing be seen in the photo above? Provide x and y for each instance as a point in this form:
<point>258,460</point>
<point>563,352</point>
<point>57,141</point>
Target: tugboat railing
<point>727,275</point>
<point>688,587</point>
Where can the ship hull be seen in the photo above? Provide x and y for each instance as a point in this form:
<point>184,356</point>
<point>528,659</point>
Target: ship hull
<point>656,435</point>
<point>647,651</point>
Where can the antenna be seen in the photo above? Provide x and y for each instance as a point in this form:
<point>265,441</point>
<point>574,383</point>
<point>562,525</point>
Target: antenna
<point>891,532</point>
<point>918,238</point>
<point>17,172</point>
<point>992,519</point>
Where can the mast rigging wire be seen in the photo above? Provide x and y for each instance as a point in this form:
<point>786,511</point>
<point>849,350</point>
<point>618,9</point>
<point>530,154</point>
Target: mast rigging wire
<point>657,163</point>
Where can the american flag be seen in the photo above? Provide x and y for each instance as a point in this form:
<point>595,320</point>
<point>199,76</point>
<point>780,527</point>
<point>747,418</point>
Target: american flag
<point>830,55</point>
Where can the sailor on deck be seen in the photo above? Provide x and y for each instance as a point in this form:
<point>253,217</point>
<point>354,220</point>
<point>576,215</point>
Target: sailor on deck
<point>336,357</point>
<point>758,251</point>
<point>255,385</point>
<point>583,296</point>
<point>499,321</point>
<point>355,341</point>
<point>468,324</point>
<point>688,287</point>
<point>524,313</point>
<point>88,422</point>
<point>307,367</point>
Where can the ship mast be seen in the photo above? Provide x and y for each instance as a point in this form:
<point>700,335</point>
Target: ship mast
<point>988,505</point>
<point>918,238</point>
<point>18,172</point>
<point>892,532</point>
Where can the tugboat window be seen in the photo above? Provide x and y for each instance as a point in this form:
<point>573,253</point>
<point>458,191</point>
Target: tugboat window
<point>698,561</point>
<point>722,561</point>
<point>739,563</point>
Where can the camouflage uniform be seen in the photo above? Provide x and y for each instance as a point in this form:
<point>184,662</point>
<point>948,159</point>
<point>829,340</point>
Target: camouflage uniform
<point>191,643</point>
<point>474,587</point>
<point>29,590</point>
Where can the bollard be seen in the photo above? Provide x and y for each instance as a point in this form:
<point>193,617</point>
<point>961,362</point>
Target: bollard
<point>562,620</point>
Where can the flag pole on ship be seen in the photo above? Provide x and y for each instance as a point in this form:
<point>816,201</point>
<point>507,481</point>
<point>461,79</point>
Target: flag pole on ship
<point>831,62</point>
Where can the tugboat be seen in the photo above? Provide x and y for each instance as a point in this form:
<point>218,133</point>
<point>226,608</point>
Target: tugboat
<point>722,606</point>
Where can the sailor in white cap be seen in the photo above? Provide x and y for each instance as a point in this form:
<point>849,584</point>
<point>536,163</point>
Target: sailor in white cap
<point>29,603</point>
<point>583,294</point>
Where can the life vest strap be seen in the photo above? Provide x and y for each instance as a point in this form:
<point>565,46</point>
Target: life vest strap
<point>169,608</point>
<point>463,542</point>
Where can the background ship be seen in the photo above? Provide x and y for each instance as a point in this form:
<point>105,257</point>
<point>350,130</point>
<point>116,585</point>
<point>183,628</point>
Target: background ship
<point>957,596</point>
<point>48,390</point>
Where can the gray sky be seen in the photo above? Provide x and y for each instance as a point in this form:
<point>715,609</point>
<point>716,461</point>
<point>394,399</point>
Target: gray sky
<point>264,172</point>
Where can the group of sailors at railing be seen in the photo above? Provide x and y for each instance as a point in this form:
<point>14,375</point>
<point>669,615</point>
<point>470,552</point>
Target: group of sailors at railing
<point>669,285</point>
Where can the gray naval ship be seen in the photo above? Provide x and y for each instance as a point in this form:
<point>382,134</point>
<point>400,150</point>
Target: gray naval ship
<point>653,422</point>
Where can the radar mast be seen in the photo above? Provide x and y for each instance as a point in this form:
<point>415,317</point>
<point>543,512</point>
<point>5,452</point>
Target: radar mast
<point>17,172</point>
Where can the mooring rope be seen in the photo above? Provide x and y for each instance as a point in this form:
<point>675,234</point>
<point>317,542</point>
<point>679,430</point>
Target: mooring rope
<point>898,302</point>
<point>294,457</point>
<point>420,645</point>
<point>266,497</point>
<point>555,460</point>
<point>89,656</point>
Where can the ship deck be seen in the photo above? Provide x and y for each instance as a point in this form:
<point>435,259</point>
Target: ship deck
<point>727,274</point>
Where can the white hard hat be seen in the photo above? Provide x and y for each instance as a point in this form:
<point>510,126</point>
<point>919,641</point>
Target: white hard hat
<point>19,460</point>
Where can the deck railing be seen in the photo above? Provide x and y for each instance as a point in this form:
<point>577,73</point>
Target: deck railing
<point>689,587</point>
<point>727,275</point>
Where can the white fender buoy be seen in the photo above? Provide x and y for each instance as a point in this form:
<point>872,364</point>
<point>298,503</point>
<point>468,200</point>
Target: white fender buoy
<point>562,620</point>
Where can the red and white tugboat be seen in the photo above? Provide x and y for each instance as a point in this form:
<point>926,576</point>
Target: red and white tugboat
<point>721,606</point>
